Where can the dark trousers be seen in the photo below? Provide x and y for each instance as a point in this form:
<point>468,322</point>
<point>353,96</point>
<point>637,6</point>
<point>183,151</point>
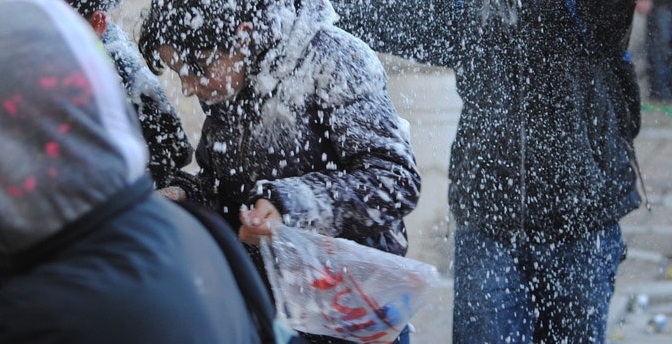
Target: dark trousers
<point>534,292</point>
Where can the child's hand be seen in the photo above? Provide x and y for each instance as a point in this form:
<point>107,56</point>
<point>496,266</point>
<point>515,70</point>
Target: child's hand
<point>258,221</point>
<point>173,192</point>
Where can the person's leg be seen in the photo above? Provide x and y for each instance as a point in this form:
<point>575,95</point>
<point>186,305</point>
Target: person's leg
<point>576,284</point>
<point>492,300</point>
<point>404,336</point>
<point>659,52</point>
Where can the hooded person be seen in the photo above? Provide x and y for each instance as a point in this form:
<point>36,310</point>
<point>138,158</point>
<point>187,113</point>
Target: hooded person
<point>88,252</point>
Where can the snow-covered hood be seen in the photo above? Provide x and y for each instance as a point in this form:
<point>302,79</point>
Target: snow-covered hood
<point>291,30</point>
<point>69,138</point>
<point>309,57</point>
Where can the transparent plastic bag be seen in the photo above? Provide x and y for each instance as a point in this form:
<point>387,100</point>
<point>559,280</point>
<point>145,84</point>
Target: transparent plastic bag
<point>339,288</point>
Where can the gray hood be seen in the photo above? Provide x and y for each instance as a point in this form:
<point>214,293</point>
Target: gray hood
<point>69,139</point>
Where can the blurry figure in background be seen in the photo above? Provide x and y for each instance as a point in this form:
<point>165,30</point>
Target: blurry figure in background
<point>299,126</point>
<point>88,252</point>
<point>637,45</point>
<point>658,48</point>
<point>543,166</point>
<point>169,147</point>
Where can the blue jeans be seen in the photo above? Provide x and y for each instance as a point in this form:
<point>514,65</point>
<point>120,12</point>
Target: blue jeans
<point>532,292</point>
<point>404,336</point>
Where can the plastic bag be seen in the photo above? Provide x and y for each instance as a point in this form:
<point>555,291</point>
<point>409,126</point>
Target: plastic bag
<point>339,288</point>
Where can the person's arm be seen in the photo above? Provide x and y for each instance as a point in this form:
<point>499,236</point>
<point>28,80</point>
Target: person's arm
<point>420,30</point>
<point>375,181</point>
<point>169,147</point>
<point>195,188</point>
<point>376,184</point>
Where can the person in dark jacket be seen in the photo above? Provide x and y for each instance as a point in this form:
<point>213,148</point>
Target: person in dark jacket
<point>89,253</point>
<point>543,165</point>
<point>542,168</point>
<point>168,144</point>
<point>299,125</point>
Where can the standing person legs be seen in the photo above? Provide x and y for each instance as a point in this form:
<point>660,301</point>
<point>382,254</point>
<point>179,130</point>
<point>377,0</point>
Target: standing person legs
<point>574,286</point>
<point>659,52</point>
<point>493,303</point>
<point>534,293</point>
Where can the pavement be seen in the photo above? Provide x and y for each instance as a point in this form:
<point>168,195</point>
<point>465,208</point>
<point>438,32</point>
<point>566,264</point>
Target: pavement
<point>644,283</point>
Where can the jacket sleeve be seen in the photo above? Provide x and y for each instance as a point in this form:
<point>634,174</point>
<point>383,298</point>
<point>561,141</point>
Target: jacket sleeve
<point>373,182</point>
<point>607,25</point>
<point>200,187</point>
<point>169,147</point>
<point>416,29</point>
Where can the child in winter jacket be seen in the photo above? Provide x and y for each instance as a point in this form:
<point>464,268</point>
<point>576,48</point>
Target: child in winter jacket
<point>299,126</point>
<point>169,147</point>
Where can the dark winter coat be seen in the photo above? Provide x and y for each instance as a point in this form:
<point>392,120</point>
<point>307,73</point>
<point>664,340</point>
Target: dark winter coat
<point>88,252</point>
<point>551,107</point>
<point>317,134</point>
<point>136,269</point>
<point>169,147</point>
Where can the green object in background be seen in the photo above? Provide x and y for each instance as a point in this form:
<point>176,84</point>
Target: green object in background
<point>665,109</point>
